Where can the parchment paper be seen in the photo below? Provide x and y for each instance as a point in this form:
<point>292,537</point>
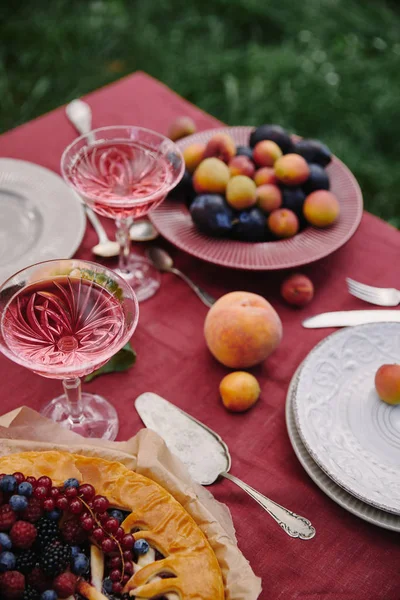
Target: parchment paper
<point>146,453</point>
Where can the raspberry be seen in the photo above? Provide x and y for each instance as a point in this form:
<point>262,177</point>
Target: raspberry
<point>73,533</point>
<point>12,585</point>
<point>55,558</point>
<point>65,585</point>
<point>23,534</point>
<point>7,517</point>
<point>34,510</point>
<point>38,580</point>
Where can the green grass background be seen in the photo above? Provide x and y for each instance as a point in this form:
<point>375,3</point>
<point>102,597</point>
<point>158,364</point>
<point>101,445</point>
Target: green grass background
<point>328,69</point>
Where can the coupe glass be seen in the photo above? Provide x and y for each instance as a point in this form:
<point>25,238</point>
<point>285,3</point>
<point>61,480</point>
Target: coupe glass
<point>63,319</point>
<point>122,172</point>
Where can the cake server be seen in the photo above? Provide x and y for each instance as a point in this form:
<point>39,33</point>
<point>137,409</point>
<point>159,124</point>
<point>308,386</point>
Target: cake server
<point>207,456</point>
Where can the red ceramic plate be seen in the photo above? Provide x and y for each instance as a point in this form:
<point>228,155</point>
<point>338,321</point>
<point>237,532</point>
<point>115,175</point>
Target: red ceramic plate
<point>173,221</point>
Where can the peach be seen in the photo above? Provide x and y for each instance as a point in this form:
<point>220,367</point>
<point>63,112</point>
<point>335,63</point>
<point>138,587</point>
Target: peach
<point>297,289</point>
<point>221,146</point>
<point>242,329</point>
<point>193,156</point>
<point>212,175</point>
<point>181,127</point>
<point>292,169</point>
<point>321,208</point>
<point>241,165</point>
<point>387,383</point>
<point>269,197</point>
<point>283,223</point>
<point>241,192</point>
<point>265,175</point>
<point>266,153</point>
<point>239,391</point>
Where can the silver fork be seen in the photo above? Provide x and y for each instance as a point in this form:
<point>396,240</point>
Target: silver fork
<point>373,295</point>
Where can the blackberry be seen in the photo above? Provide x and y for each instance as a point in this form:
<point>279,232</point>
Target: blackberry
<point>26,560</point>
<point>30,594</point>
<point>47,531</point>
<point>55,558</point>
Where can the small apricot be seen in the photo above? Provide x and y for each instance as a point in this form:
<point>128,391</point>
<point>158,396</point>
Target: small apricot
<point>387,383</point>
<point>212,175</point>
<point>283,223</point>
<point>321,208</point>
<point>265,175</point>
<point>266,153</point>
<point>239,391</point>
<point>241,165</point>
<point>181,127</point>
<point>292,169</point>
<point>241,192</point>
<point>221,146</point>
<point>193,155</point>
<point>269,197</point>
<point>297,289</point>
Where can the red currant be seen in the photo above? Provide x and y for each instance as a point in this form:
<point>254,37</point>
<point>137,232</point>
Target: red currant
<point>20,477</point>
<point>111,525</point>
<point>40,492</point>
<point>114,562</point>
<point>127,542</point>
<point>119,534</point>
<point>125,579</point>
<point>49,504</point>
<point>100,504</point>
<point>32,481</point>
<point>103,518</point>
<point>127,554</point>
<point>98,534</point>
<point>115,575</point>
<point>71,492</point>
<point>108,545</point>
<point>87,524</point>
<point>128,568</point>
<point>87,491</point>
<point>62,503</point>
<point>54,492</point>
<point>117,587</point>
<point>45,481</point>
<point>75,506</point>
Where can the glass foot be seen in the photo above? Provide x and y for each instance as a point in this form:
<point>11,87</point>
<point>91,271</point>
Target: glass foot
<point>99,418</point>
<point>142,277</point>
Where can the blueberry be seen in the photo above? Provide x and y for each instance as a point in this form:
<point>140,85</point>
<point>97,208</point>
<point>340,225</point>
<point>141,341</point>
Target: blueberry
<point>7,561</point>
<point>72,482</point>
<point>107,585</point>
<point>117,514</point>
<point>18,503</point>
<point>49,595</point>
<point>8,483</point>
<point>141,546</point>
<point>54,515</point>
<point>80,564</point>
<point>75,550</point>
<point>5,541</point>
<point>25,488</point>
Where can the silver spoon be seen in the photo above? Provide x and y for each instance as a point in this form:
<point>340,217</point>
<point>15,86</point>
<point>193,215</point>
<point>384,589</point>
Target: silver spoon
<point>79,114</point>
<point>163,262</point>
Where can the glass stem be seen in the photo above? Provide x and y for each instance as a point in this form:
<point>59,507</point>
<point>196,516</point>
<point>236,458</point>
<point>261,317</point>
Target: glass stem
<point>123,225</point>
<point>72,389</point>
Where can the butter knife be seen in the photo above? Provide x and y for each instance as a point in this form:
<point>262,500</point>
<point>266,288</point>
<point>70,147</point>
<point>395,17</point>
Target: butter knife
<point>345,318</point>
<point>207,456</point>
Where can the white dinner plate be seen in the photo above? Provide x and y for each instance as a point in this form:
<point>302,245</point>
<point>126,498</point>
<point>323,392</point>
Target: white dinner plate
<point>350,503</point>
<point>41,218</point>
<point>350,433</point>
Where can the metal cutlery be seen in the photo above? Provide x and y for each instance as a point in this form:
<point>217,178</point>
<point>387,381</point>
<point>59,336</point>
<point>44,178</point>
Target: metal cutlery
<point>207,456</point>
<point>373,295</point>
<point>344,318</point>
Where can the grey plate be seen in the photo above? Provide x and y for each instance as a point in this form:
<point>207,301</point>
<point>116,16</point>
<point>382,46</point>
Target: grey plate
<point>41,218</point>
<point>328,486</point>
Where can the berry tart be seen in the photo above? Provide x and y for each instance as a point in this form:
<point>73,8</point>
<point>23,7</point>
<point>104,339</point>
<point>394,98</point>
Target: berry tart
<point>82,528</point>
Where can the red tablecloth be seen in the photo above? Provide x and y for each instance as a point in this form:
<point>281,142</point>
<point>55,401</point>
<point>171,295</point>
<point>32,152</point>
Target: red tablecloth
<point>349,558</point>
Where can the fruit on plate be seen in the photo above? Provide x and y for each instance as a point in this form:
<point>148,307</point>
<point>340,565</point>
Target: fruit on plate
<point>387,383</point>
<point>292,169</point>
<point>221,146</point>
<point>93,529</point>
<point>265,175</point>
<point>212,175</point>
<point>321,208</point>
<point>283,223</point>
<point>249,226</point>
<point>269,197</point>
<point>239,391</point>
<point>244,151</point>
<point>241,165</point>
<point>181,127</point>
<point>242,329</point>
<point>212,215</point>
<point>266,153</point>
<point>276,133</point>
<point>241,192</point>
<point>318,179</point>
<point>313,151</point>
<point>297,289</point>
<point>193,155</point>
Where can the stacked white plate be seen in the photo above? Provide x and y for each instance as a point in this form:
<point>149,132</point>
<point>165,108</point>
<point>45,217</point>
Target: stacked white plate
<point>345,437</point>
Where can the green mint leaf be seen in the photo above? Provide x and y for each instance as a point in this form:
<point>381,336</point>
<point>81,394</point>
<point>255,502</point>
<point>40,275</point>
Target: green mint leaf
<point>121,361</point>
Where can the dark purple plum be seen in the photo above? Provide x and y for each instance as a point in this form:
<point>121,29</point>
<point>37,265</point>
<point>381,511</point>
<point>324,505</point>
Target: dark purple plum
<point>313,151</point>
<point>317,180</point>
<point>212,215</point>
<point>244,151</point>
<point>276,133</point>
<point>250,226</point>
